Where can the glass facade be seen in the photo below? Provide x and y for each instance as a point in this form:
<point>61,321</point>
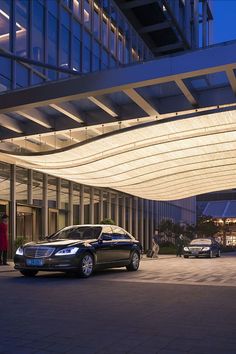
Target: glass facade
<point>63,38</point>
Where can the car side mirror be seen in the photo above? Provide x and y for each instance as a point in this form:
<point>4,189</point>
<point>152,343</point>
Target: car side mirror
<point>106,237</point>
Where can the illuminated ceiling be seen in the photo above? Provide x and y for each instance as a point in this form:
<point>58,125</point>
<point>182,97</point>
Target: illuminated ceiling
<point>89,129</point>
<point>166,160</point>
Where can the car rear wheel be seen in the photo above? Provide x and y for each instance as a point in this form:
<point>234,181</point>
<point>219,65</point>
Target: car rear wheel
<point>28,272</point>
<point>134,262</point>
<point>186,256</point>
<point>218,254</point>
<point>86,265</point>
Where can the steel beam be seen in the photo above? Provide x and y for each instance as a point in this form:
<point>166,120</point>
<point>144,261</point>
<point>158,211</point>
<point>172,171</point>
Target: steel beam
<point>10,123</point>
<point>68,110</point>
<point>141,102</point>
<point>189,96</point>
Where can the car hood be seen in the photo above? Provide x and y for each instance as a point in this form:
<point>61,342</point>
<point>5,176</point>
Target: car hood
<point>201,246</point>
<point>57,243</point>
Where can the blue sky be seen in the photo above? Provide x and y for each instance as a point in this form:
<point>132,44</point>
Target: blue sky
<point>224,28</point>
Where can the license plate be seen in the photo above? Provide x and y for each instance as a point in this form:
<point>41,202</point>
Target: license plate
<point>34,262</point>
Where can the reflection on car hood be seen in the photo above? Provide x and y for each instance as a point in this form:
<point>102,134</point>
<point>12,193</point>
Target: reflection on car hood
<point>198,245</point>
<point>57,242</point>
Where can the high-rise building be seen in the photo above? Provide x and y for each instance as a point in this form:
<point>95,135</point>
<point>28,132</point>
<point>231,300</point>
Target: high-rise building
<point>49,40</point>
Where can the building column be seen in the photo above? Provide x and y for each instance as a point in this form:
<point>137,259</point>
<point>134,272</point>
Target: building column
<point>12,219</point>
<point>30,187</point>
<point>117,210</point>
<point>123,224</point>
<point>141,223</point>
<point>146,235</point>
<point>151,222</point>
<point>45,206</point>
<point>100,211</point>
<point>58,193</point>
<point>130,215</point>
<point>81,209</point>
<point>71,210</point>
<point>136,231</point>
<point>91,206</point>
<point>109,205</point>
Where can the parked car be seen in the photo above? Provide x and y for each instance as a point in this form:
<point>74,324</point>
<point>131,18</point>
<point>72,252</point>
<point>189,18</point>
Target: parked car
<point>202,247</point>
<point>80,249</point>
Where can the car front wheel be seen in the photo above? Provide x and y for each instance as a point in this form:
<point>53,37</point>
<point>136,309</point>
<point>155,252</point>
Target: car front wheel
<point>218,254</point>
<point>134,262</point>
<point>86,265</point>
<point>28,273</point>
<point>211,254</point>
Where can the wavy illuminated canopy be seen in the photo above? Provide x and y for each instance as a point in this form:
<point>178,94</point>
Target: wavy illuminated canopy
<point>166,160</point>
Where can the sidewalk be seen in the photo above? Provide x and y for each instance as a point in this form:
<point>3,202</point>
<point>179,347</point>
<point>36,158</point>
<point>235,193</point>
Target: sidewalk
<point>7,268</point>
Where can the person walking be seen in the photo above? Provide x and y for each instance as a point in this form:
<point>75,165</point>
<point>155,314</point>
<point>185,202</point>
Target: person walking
<point>179,245</point>
<point>155,245</point>
<point>3,240</point>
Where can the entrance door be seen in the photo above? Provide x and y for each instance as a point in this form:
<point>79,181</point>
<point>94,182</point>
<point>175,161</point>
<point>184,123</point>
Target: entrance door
<point>52,221</point>
<point>27,223</point>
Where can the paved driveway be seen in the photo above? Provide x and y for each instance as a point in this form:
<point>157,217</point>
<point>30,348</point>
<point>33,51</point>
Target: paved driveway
<point>176,270</point>
<point>170,306</point>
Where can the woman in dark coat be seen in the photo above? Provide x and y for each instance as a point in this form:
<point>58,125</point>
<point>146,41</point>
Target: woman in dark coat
<point>3,239</point>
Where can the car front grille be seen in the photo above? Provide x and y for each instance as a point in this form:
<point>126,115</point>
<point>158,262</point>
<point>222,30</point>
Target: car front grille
<point>38,252</point>
<point>195,249</point>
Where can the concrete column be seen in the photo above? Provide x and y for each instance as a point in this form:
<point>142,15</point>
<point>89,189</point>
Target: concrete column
<point>123,212</point>
<point>146,235</point>
<point>141,222</point>
<point>101,206</point>
<point>45,206</point>
<point>71,210</point>
<point>91,207</point>
<point>58,193</point>
<point>109,205</point>
<point>136,231</point>
<point>117,210</point>
<point>12,218</point>
<point>130,215</point>
<point>81,209</point>
<point>30,187</point>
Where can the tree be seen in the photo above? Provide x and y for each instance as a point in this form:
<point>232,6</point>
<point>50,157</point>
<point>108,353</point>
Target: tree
<point>107,221</point>
<point>206,226</point>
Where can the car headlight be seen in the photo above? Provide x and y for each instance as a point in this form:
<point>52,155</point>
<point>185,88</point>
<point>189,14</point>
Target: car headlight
<point>19,251</point>
<point>186,249</point>
<point>206,249</point>
<point>67,251</point>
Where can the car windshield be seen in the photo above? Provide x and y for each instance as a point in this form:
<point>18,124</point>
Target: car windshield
<point>201,241</point>
<point>77,233</point>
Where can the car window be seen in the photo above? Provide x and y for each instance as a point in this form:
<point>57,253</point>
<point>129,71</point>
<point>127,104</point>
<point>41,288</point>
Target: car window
<point>78,233</point>
<point>120,234</point>
<point>201,241</point>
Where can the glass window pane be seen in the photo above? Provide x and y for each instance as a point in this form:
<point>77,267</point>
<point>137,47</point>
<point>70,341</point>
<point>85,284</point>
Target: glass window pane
<point>87,14</point>
<point>5,74</point>
<point>105,33</point>
<point>21,185</point>
<point>4,181</point>
<point>5,24</point>
<point>38,31</point>
<point>96,24</point>
<point>22,76</point>
<point>21,27</point>
<point>52,39</point>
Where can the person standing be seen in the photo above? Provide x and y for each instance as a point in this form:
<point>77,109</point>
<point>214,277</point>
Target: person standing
<point>179,245</point>
<point>3,240</point>
<point>155,245</point>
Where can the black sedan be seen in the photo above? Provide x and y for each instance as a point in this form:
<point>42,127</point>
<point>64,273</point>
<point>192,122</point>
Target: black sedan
<point>201,247</point>
<point>80,249</point>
